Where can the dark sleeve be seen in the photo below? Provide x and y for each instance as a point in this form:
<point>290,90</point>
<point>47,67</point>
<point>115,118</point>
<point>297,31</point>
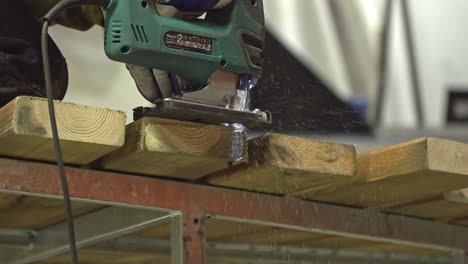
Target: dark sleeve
<point>81,18</point>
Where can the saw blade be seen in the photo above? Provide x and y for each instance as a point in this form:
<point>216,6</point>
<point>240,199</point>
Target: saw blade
<point>188,111</point>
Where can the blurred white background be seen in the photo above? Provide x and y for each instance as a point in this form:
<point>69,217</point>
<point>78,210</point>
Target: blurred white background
<point>339,39</point>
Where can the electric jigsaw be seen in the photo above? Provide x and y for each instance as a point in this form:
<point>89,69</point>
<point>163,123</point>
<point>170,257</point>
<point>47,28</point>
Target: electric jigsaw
<point>205,67</point>
<point>209,64</point>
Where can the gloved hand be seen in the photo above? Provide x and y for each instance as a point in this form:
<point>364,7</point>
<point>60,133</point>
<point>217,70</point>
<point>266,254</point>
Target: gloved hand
<point>21,70</point>
<point>154,84</point>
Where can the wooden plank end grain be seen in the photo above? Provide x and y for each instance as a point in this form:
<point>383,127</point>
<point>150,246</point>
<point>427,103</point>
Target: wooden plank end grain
<point>86,133</point>
<point>448,156</point>
<point>179,149</point>
<point>283,164</point>
<point>406,173</point>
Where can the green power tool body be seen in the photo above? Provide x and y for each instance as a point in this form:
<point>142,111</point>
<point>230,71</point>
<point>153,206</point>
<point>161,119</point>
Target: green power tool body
<point>210,64</point>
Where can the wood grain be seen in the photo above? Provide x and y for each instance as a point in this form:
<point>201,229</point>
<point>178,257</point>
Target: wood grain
<point>253,234</point>
<point>162,231</point>
<point>229,231</point>
<point>403,249</point>
<point>403,174</point>
<point>18,211</point>
<point>283,164</point>
<point>216,230</point>
<point>86,133</point>
<point>367,245</point>
<point>179,149</point>
<point>274,236</point>
<point>96,256</point>
<point>264,235</point>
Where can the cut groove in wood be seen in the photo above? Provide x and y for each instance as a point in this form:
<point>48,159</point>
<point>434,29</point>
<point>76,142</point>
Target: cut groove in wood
<point>171,148</point>
<point>86,133</point>
<point>282,164</point>
<point>405,173</point>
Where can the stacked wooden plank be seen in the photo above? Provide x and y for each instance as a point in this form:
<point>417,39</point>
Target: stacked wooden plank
<point>177,149</point>
<point>245,233</point>
<point>152,146</point>
<point>27,212</point>
<point>404,173</point>
<point>448,207</point>
<point>411,178</point>
<point>282,165</point>
<point>86,133</point>
<point>90,255</point>
<point>423,178</point>
<point>222,231</point>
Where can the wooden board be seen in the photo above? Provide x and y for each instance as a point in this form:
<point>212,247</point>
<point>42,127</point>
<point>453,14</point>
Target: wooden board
<point>215,230</point>
<point>461,221</point>
<point>90,255</point>
<point>236,232</point>
<point>449,207</point>
<point>95,256</point>
<point>229,231</point>
<point>179,149</point>
<point>359,244</point>
<point>162,231</point>
<point>18,211</point>
<point>32,212</point>
<point>86,133</point>
<point>404,173</point>
<point>257,234</point>
<point>253,234</point>
<point>283,164</point>
<point>407,173</point>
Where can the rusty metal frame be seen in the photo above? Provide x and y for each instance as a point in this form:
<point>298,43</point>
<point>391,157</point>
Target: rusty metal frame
<point>91,229</point>
<point>196,202</point>
<point>21,239</point>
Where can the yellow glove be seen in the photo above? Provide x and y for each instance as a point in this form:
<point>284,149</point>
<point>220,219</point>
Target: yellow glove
<point>81,18</point>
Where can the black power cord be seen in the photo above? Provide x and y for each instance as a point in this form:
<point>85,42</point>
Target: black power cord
<point>48,18</point>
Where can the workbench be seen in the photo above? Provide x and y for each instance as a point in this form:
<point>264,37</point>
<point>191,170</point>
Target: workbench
<point>288,200</point>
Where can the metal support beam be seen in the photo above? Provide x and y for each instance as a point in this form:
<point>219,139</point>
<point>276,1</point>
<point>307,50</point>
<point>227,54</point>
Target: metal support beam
<point>177,242</point>
<point>38,179</point>
<point>91,228</point>
<point>194,238</point>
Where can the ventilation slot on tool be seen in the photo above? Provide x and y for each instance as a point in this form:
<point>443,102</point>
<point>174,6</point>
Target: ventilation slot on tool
<point>140,34</point>
<point>116,28</point>
<point>254,48</point>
